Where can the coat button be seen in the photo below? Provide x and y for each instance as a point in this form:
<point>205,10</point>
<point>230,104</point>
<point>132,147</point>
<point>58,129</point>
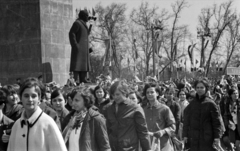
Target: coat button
<point>23,135</point>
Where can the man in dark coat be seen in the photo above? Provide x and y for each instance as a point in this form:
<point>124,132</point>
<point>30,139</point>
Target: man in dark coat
<point>80,57</point>
<point>126,122</point>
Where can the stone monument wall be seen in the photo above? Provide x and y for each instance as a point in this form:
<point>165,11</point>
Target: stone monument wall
<point>34,39</point>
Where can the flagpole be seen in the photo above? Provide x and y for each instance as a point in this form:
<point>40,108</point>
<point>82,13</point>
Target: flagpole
<point>177,71</point>
<point>185,68</point>
<point>110,51</point>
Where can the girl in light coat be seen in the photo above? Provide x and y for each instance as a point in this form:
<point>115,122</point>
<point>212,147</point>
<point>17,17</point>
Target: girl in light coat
<point>35,130</point>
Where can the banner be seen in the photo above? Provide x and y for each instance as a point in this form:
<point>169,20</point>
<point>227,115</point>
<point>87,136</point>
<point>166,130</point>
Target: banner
<point>233,71</point>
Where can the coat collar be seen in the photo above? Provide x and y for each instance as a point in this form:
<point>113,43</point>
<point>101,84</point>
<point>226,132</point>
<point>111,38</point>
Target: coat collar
<point>200,99</point>
<point>84,23</point>
<point>125,101</point>
<point>154,106</point>
<point>14,109</point>
<point>6,120</point>
<point>35,116</point>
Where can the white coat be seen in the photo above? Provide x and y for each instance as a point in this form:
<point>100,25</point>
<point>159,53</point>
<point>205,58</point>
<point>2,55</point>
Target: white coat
<point>41,134</point>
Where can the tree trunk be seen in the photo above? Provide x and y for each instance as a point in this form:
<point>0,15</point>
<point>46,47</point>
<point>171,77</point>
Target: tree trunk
<point>228,59</point>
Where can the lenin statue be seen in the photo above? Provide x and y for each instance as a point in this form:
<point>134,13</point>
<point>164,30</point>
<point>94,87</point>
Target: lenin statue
<point>80,55</point>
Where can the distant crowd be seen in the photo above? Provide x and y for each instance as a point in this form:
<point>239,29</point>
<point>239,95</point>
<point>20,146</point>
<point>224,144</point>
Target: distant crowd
<point>120,115</point>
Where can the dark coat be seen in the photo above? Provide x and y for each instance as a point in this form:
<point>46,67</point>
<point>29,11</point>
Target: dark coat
<point>50,112</point>
<point>176,111</point>
<point>202,124</point>
<point>15,112</point>
<point>93,135</point>
<point>78,36</point>
<point>103,106</point>
<point>228,117</point>
<point>5,125</point>
<point>127,127</point>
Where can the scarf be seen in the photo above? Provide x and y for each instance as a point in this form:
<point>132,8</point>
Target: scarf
<point>74,123</point>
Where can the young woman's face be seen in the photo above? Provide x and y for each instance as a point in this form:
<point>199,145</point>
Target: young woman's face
<point>58,102</point>
<point>12,99</point>
<point>133,97</point>
<point>118,96</point>
<point>151,94</point>
<point>99,93</point>
<point>182,96</point>
<point>201,89</point>
<point>169,95</point>
<point>78,102</point>
<point>30,99</point>
<point>235,95</point>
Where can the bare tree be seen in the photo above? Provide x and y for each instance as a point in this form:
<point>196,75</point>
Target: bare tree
<point>233,40</point>
<point>222,16</point>
<point>176,34</point>
<point>204,33</point>
<point>170,37</point>
<point>142,17</point>
<point>111,23</point>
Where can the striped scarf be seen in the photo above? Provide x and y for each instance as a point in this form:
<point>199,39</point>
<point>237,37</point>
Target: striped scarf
<point>74,123</point>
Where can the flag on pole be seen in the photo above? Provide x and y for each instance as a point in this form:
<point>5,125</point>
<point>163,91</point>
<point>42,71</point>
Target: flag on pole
<point>190,53</point>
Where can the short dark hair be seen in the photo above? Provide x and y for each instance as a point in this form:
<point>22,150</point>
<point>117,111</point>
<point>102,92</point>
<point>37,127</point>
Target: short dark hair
<point>204,81</point>
<point>140,99</point>
<point>182,90</point>
<point>231,90</point>
<point>56,93</point>
<point>9,90</point>
<point>151,85</point>
<point>29,83</point>
<point>97,88</point>
<point>86,94</point>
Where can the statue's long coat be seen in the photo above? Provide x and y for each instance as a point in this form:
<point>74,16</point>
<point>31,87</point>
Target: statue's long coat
<point>78,36</point>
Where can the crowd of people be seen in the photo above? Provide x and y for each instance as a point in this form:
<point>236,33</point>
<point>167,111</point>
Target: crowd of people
<point>121,115</point>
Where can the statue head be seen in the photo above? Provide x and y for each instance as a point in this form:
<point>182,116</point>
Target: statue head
<point>83,15</point>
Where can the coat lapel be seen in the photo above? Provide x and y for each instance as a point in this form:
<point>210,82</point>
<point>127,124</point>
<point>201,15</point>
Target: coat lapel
<point>85,25</point>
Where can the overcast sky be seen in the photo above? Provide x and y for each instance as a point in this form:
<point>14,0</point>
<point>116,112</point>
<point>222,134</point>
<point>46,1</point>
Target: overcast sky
<point>189,15</point>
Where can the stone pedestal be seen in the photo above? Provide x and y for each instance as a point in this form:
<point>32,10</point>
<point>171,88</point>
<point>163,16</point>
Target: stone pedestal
<point>34,39</point>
